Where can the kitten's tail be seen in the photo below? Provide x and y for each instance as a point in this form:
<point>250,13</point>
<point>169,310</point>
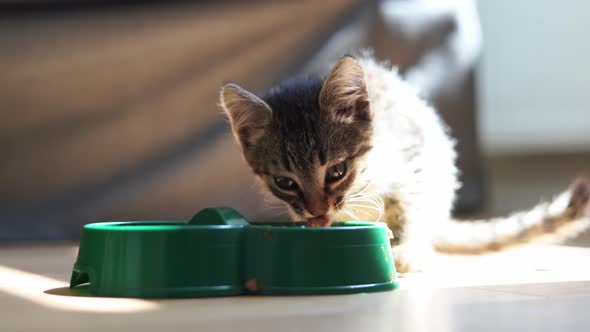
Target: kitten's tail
<point>563,217</point>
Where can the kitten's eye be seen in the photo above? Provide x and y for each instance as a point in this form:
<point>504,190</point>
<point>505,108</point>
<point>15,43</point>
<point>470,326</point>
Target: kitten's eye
<point>285,183</point>
<point>336,172</point>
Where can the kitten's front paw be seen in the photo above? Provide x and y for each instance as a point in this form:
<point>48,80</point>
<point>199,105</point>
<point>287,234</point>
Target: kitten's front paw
<point>411,259</point>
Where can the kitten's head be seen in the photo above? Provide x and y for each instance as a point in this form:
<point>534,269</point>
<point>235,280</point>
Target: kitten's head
<point>306,139</point>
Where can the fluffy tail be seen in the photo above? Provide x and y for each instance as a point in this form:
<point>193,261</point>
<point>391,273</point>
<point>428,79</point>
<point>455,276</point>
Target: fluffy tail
<point>563,217</point>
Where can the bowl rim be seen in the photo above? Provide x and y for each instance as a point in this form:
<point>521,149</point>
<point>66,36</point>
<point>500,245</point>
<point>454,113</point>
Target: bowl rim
<point>282,226</point>
<point>153,226</point>
<point>290,226</point>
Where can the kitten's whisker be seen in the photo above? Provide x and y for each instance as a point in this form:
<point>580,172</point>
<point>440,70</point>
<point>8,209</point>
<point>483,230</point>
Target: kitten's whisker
<point>365,187</point>
<point>364,212</point>
<point>375,208</point>
<point>371,215</point>
<point>274,204</point>
<point>352,215</point>
<point>277,213</point>
<point>360,199</point>
<point>273,208</point>
<point>356,194</point>
<point>361,192</point>
<point>376,211</point>
<point>375,201</point>
<point>365,194</point>
<point>376,198</point>
<point>272,200</point>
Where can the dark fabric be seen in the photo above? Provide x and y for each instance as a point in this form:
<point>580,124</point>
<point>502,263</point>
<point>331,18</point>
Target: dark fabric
<point>112,114</point>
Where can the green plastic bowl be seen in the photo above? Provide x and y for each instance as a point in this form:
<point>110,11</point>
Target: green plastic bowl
<point>218,253</point>
<point>291,259</point>
<point>159,259</point>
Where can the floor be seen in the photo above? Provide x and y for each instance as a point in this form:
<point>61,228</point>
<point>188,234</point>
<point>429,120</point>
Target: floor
<point>534,288</point>
<point>528,289</point>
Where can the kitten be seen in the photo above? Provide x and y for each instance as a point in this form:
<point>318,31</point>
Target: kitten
<point>361,145</point>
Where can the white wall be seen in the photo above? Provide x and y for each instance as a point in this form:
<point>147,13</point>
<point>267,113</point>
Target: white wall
<point>534,77</point>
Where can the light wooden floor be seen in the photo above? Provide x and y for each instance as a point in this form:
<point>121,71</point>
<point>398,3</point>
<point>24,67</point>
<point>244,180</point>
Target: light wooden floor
<point>542,288</point>
<point>536,288</point>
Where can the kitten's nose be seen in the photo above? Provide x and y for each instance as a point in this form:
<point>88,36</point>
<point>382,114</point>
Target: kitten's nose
<point>317,205</point>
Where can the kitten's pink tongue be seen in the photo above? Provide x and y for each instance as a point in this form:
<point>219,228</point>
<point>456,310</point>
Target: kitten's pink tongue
<point>321,221</point>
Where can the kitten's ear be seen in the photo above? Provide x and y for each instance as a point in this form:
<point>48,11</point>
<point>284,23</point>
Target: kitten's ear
<point>344,93</point>
<point>249,115</point>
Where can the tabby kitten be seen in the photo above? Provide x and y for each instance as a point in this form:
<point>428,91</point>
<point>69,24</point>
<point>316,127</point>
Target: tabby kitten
<point>360,144</point>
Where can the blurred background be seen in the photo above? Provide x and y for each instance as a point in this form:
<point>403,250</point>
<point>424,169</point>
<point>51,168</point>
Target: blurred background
<point>108,109</point>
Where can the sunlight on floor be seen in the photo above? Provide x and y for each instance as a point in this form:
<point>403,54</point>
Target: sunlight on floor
<point>31,287</point>
<point>526,265</point>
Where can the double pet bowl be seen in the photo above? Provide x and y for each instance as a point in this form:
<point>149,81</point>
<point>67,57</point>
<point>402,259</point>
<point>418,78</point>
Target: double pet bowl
<point>218,253</point>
